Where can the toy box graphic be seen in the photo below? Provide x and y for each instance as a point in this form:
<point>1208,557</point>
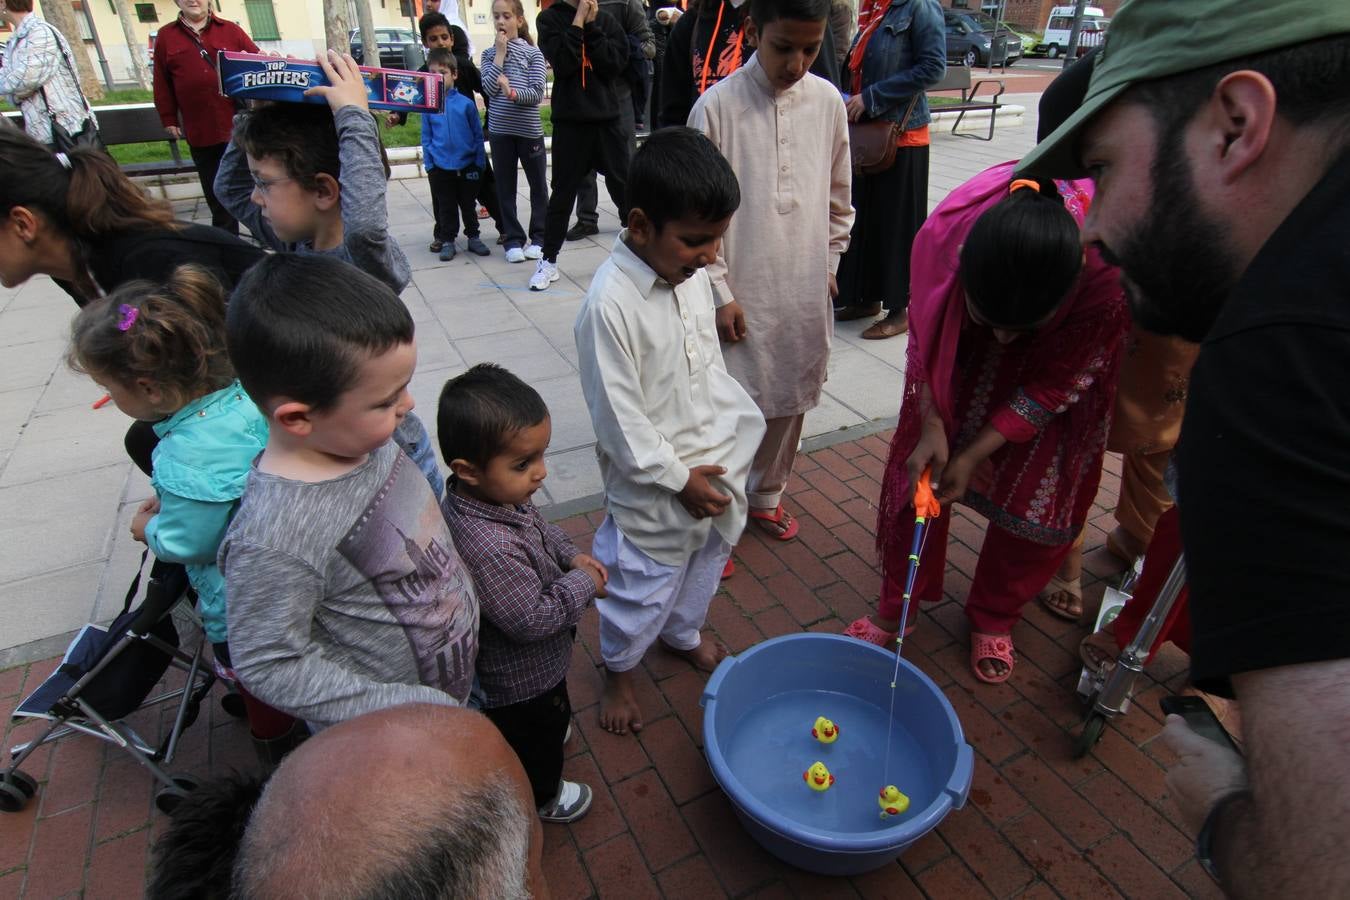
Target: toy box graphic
<point>256,76</point>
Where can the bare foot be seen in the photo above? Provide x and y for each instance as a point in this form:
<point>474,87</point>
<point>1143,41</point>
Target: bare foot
<point>618,705</point>
<point>994,668</point>
<point>705,656</point>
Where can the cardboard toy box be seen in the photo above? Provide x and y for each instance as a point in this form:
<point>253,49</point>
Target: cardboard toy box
<point>256,76</point>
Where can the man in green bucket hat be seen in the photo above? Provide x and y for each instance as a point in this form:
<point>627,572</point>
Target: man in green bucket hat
<point>1218,135</point>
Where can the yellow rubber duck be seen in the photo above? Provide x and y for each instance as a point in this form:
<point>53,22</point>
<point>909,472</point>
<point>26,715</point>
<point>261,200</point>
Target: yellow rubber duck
<point>892,802</point>
<point>818,778</point>
<point>825,731</point>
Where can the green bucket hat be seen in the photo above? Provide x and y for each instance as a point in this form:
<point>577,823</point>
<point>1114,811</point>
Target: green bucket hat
<point>1151,39</point>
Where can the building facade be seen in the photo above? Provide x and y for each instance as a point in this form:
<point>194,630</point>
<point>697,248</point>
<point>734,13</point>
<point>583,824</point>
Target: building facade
<point>293,27</point>
<point>1028,14</point>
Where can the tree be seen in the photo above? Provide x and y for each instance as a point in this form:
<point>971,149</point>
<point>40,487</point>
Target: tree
<point>138,69</point>
<point>61,15</point>
<point>337,24</point>
<point>368,39</point>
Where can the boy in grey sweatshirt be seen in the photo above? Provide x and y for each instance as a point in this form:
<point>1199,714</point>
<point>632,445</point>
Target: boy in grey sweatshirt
<point>344,590</point>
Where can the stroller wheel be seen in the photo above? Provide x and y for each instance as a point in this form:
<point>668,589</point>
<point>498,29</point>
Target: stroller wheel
<point>167,799</point>
<point>16,789</point>
<point>1093,727</point>
<point>233,704</point>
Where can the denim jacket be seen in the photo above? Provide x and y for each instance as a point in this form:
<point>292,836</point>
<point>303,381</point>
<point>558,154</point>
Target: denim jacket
<point>907,53</point>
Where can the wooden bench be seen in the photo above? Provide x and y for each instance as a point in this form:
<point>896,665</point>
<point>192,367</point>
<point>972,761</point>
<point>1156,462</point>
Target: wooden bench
<point>135,123</point>
<point>958,79</point>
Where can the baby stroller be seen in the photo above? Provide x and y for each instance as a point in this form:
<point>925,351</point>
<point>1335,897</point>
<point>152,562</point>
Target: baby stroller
<point>107,674</point>
<point>1109,692</point>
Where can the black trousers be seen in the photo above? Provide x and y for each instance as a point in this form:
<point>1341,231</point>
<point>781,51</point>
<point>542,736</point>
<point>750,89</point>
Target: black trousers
<point>454,195</point>
<point>535,729</point>
<point>207,160</point>
<point>579,147</point>
<point>588,195</point>
<point>889,210</point>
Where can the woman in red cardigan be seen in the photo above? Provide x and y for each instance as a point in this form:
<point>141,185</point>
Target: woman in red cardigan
<point>187,85</point>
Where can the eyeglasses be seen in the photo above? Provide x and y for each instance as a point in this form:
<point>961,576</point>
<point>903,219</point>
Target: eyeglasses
<point>264,186</point>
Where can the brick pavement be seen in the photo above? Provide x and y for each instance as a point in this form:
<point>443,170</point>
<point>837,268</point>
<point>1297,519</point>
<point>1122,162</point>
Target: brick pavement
<point>1039,823</point>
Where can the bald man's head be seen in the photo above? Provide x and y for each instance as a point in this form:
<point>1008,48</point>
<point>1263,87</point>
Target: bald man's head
<point>411,802</point>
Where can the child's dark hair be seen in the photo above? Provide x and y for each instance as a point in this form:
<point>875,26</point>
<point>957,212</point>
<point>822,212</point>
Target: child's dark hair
<point>299,326</point>
<point>443,56</point>
<point>1022,257</point>
<point>171,334</point>
<point>480,409</point>
<point>678,172</point>
<point>194,856</point>
<point>460,40</point>
<point>765,11</point>
<point>433,20</point>
<point>301,136</point>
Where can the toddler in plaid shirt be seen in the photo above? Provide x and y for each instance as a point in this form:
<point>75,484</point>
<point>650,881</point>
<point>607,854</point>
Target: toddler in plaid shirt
<point>532,582</point>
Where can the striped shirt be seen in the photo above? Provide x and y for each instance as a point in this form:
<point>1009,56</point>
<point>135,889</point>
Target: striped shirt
<point>525,69</point>
<point>37,62</point>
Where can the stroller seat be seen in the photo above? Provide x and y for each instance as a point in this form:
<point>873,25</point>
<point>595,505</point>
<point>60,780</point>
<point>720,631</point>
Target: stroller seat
<point>108,674</point>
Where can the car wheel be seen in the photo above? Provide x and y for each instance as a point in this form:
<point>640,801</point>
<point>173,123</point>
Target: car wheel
<point>971,58</point>
<point>1052,52</point>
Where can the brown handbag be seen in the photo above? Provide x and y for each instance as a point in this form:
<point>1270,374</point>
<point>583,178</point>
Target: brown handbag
<point>872,144</point>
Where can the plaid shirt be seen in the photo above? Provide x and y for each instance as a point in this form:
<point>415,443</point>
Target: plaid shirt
<point>529,604</point>
<point>37,61</point>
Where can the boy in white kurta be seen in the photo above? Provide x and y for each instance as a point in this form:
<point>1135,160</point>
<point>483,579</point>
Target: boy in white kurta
<point>785,133</point>
<point>675,433</point>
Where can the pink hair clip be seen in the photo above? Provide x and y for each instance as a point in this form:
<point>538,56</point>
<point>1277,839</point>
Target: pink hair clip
<point>126,316</point>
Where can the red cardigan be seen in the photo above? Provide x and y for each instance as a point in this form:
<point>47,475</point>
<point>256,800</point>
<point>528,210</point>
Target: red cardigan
<point>186,83</point>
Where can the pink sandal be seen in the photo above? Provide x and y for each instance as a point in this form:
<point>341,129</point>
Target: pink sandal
<point>991,646</point>
<point>864,630</point>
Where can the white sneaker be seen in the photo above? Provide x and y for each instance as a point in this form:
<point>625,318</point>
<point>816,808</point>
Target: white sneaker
<point>544,274</point>
<point>571,803</point>
<point>534,251</point>
<point>515,255</point>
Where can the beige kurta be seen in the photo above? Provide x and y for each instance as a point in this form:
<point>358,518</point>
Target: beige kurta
<point>789,150</point>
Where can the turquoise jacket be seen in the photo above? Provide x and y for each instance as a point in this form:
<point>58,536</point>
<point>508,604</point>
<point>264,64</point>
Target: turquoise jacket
<point>200,468</point>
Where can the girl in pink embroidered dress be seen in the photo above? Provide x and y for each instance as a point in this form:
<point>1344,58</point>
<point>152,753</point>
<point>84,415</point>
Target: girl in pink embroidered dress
<point>1015,342</point>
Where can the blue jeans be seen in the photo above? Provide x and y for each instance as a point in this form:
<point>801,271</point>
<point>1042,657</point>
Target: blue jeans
<point>507,150</point>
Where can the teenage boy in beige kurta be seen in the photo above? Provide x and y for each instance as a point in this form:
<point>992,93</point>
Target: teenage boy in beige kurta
<point>785,133</point>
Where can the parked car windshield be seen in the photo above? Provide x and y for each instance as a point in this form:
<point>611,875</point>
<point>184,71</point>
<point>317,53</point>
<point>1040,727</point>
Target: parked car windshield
<point>984,21</point>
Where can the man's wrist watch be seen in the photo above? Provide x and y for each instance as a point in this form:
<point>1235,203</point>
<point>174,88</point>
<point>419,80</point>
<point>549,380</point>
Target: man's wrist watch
<point>1204,841</point>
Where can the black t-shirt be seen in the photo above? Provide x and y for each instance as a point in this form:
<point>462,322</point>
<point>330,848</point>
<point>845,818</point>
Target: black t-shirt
<point>153,254</point>
<point>1264,457</point>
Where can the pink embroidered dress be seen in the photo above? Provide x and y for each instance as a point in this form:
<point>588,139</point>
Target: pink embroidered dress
<point>1050,392</point>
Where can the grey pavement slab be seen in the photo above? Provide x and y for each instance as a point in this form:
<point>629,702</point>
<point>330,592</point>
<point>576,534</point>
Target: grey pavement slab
<point>68,492</point>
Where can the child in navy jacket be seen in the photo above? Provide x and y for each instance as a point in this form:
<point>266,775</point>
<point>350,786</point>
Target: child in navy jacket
<point>452,151</point>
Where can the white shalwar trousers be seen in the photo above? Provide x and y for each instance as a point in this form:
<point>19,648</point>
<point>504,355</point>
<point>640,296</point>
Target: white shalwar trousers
<point>648,599</point>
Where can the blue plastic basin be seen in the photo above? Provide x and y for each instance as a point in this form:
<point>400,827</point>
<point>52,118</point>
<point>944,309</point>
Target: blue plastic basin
<point>759,708</point>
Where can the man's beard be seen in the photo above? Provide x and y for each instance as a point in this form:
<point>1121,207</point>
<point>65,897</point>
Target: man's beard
<point>1179,268</point>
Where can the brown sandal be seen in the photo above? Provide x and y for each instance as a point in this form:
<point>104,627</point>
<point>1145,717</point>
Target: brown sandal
<point>893,325</point>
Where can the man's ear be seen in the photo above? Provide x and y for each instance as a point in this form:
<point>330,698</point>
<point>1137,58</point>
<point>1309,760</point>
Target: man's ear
<point>294,417</point>
<point>327,193</point>
<point>751,33</point>
<point>466,471</point>
<point>1242,115</point>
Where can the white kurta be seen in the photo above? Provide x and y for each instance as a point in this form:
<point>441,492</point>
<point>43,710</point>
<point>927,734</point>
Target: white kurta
<point>661,402</point>
<point>790,151</point>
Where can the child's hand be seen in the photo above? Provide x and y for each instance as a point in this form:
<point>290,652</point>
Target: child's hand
<point>147,511</point>
<point>593,567</point>
<point>504,83</point>
<point>956,478</point>
<point>699,498</point>
<point>832,286</point>
<point>731,322</point>
<point>345,85</point>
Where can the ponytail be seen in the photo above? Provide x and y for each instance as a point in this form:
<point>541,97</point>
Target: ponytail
<point>1022,256</point>
<point>172,335</point>
<point>84,196</point>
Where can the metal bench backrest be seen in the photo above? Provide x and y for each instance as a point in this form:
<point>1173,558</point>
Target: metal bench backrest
<point>956,79</point>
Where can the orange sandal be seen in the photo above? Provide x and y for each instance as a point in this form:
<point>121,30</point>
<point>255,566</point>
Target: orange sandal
<point>991,646</point>
<point>776,518</point>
